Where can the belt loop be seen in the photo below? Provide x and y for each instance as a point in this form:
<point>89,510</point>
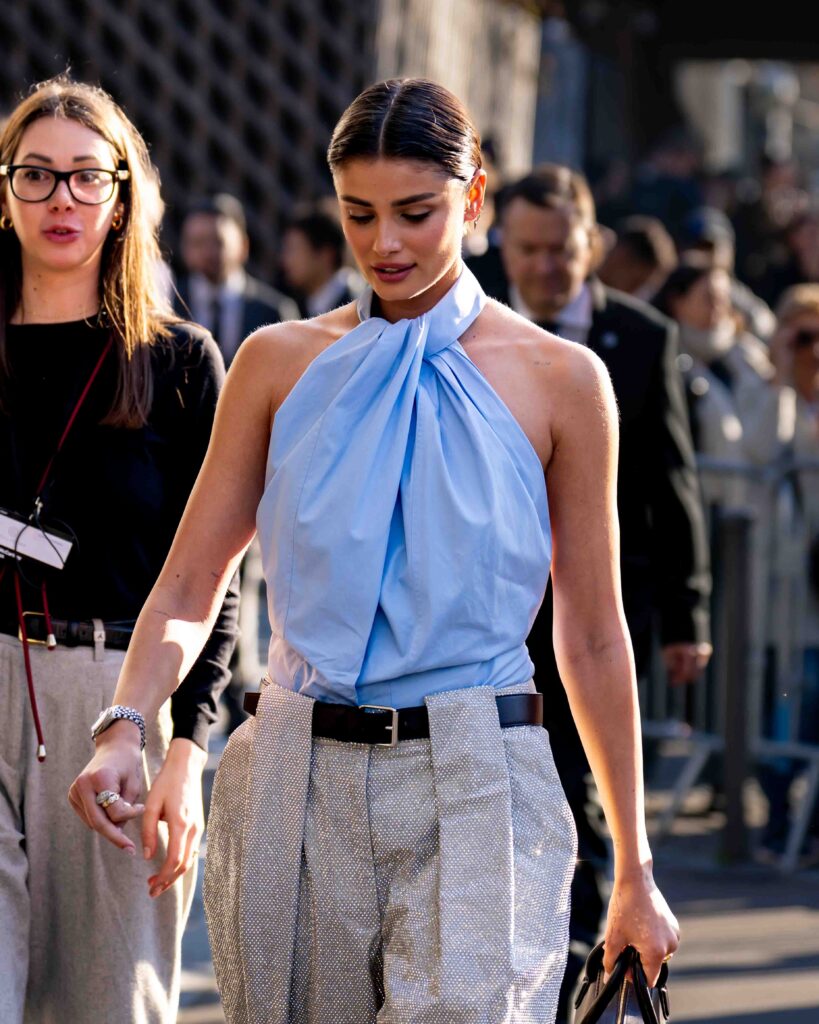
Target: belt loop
<point>99,639</point>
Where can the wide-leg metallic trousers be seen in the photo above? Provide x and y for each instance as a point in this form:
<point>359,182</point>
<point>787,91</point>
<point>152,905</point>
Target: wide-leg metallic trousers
<point>80,940</point>
<point>422,884</point>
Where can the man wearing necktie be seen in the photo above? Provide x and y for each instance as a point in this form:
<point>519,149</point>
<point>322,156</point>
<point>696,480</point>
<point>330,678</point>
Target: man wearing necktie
<point>550,248</point>
<point>217,292</point>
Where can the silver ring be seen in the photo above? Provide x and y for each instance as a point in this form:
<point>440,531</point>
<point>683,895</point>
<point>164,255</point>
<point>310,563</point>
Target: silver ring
<point>106,798</point>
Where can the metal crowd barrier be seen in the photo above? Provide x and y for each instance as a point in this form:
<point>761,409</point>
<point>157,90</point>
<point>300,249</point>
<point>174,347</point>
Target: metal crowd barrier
<point>760,597</point>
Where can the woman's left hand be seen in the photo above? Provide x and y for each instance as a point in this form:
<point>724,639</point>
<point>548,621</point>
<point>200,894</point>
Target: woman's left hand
<point>639,916</point>
<point>176,799</point>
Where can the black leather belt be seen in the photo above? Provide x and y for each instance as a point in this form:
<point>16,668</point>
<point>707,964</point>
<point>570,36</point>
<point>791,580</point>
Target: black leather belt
<point>385,727</point>
<point>75,634</point>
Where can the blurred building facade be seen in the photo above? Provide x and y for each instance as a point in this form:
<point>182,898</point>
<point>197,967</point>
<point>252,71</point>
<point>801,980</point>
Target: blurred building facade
<point>485,51</point>
<point>616,76</point>
<point>242,96</point>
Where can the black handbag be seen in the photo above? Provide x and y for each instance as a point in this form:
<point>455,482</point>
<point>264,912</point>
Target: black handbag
<point>622,999</point>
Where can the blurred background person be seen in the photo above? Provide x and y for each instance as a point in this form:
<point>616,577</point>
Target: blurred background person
<point>707,234</point>
<point>723,365</point>
<point>312,264</point>
<point>786,413</point>
<point>642,256</point>
<point>798,261</point>
<point>106,406</point>
<point>215,290</point>
<point>667,183</point>
<point>551,248</point>
<point>771,202</point>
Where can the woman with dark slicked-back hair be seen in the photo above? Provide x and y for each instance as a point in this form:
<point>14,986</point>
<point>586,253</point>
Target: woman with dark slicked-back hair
<point>388,838</point>
<point>106,405</point>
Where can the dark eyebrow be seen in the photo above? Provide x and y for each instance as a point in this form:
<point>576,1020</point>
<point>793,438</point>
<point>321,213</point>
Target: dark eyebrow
<point>48,160</point>
<point>420,198</point>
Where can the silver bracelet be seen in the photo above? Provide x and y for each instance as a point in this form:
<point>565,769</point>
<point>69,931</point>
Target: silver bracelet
<point>112,714</point>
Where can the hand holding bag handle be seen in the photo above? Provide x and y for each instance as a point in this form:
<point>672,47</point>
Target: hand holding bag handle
<point>621,1000</point>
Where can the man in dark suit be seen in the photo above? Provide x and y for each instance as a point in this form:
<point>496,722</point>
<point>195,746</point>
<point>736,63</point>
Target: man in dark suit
<point>216,291</point>
<point>219,294</point>
<point>312,262</point>
<point>550,246</point>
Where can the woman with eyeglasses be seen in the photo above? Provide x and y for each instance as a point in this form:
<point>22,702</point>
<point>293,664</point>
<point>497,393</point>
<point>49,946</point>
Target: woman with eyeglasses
<point>106,404</point>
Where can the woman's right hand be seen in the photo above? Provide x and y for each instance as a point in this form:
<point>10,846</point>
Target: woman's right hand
<point>117,765</point>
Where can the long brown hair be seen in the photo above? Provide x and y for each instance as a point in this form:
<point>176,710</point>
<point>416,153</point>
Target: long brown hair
<point>131,297</point>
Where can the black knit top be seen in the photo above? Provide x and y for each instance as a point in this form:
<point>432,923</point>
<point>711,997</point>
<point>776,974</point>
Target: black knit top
<point>119,492</point>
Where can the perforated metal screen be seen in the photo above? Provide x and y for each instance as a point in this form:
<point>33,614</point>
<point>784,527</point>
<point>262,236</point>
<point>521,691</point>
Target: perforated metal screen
<point>235,96</point>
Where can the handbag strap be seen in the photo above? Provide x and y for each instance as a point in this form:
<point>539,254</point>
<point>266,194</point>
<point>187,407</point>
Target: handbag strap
<point>628,958</point>
<point>593,970</point>
<point>642,991</point>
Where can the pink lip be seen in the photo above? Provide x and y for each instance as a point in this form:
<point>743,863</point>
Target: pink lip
<point>392,272</point>
<point>61,234</point>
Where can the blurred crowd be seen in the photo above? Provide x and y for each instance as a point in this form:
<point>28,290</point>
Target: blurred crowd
<point>733,262</point>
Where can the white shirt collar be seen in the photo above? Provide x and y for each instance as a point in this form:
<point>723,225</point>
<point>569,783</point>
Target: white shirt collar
<point>202,290</point>
<point>578,313</point>
<point>326,297</point>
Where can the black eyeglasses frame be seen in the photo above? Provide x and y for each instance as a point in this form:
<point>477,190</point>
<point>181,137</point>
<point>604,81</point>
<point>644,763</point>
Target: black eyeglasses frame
<point>9,170</point>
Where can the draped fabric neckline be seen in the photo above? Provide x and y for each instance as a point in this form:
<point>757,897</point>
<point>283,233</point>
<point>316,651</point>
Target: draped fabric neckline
<point>404,523</point>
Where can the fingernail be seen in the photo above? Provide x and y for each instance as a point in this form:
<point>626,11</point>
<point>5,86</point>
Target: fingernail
<point>146,852</point>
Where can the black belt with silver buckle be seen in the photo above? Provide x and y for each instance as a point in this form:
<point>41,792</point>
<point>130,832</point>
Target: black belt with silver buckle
<point>75,634</point>
<point>385,727</point>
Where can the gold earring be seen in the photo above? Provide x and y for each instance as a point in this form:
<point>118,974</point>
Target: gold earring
<point>5,223</point>
<point>116,221</point>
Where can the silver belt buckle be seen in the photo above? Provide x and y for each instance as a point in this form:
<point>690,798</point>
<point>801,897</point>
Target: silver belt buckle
<point>392,727</point>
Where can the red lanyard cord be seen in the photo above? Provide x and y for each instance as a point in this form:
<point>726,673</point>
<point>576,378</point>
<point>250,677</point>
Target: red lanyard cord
<point>21,617</point>
<point>73,416</point>
<point>41,750</point>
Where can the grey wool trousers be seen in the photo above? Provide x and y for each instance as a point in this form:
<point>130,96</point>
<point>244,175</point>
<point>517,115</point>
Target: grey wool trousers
<point>80,940</point>
<point>422,884</point>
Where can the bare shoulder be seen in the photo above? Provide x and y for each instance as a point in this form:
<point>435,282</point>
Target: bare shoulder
<point>567,362</point>
<point>274,357</point>
<point>549,384</point>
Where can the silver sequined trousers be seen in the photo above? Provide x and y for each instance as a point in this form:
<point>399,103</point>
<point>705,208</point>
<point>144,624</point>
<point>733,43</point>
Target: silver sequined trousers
<point>422,884</point>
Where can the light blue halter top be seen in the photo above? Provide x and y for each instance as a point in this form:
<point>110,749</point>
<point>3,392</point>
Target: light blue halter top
<point>404,524</point>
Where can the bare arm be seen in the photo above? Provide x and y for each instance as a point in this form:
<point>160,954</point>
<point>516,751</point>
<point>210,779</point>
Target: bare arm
<point>593,649</point>
<point>216,528</point>
<point>177,618</point>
